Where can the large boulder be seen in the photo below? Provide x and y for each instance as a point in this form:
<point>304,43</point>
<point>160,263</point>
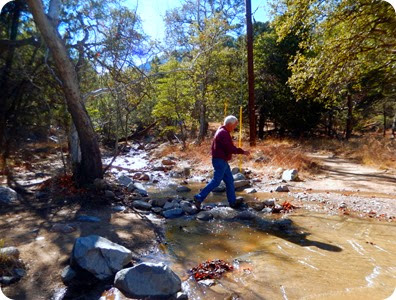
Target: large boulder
<point>7,195</point>
<point>151,280</point>
<point>99,256</point>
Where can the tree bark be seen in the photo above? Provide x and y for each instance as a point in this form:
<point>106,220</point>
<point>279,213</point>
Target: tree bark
<point>91,164</point>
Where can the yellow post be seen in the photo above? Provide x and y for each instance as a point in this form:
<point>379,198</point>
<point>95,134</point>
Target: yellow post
<point>240,138</point>
<point>225,109</point>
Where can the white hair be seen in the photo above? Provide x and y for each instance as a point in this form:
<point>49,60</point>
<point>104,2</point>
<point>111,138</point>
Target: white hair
<point>230,120</point>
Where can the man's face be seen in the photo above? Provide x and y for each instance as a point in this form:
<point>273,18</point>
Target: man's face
<point>233,126</point>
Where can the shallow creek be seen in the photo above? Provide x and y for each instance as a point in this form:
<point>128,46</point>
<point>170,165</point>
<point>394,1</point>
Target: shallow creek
<point>301,255</point>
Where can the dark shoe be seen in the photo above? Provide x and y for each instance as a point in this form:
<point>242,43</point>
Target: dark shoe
<point>197,203</point>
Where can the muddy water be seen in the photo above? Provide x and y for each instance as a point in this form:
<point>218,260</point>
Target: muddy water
<point>302,255</point>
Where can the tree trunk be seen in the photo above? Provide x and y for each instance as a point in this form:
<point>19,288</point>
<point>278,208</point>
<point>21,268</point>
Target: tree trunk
<point>384,113</point>
<point>348,130</point>
<point>261,123</point>
<point>394,126</point>
<point>91,164</point>
<point>202,123</point>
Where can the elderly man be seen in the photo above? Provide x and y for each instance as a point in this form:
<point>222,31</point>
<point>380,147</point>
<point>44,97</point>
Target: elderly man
<point>222,150</point>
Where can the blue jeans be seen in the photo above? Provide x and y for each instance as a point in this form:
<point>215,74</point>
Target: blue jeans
<point>222,171</point>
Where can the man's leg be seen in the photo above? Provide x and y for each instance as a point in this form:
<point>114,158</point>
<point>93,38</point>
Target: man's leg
<point>230,188</point>
<point>219,166</point>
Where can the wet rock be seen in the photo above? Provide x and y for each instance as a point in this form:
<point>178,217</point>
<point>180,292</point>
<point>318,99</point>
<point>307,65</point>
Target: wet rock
<point>63,228</point>
<point>251,191</point>
<point>159,168</point>
<point>245,215</point>
<point>282,188</point>
<point>220,189</point>
<point>277,208</point>
<point>207,282</point>
<point>267,210</point>
<point>7,279</point>
<point>173,213</point>
<point>10,251</point>
<point>124,180</point>
<point>269,202</point>
<point>138,204</point>
<point>188,208</point>
<point>148,280</point>
<point>241,183</point>
<point>8,195</point>
<point>171,205</point>
<point>159,202</point>
<point>183,189</point>
<point>239,176</point>
<point>157,210</point>
<point>257,205</point>
<point>138,188</point>
<point>88,219</point>
<point>290,175</point>
<point>204,216</point>
<point>100,184</point>
<point>99,256</point>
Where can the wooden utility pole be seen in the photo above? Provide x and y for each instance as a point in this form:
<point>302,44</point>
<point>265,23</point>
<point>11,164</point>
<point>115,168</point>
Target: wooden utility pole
<point>252,113</point>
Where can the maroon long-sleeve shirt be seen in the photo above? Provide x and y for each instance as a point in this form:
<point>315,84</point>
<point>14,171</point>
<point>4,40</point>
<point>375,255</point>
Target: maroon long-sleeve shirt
<point>222,145</point>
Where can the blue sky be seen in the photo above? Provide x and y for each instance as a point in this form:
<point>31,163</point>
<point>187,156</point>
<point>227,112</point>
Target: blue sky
<point>153,11</point>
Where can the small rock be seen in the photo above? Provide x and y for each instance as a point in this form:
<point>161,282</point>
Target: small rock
<point>257,205</point>
<point>141,205</point>
<point>204,216</point>
<point>64,228</point>
<point>171,205</point>
<point>282,188</point>
<point>179,296</point>
<point>118,208</point>
<point>269,202</point>
<point>159,202</point>
<point>241,183</point>
<point>235,171</point>
<point>267,210</point>
<point>124,180</point>
<point>39,238</point>
<point>8,195</point>
<point>239,176</point>
<point>251,191</point>
<point>145,177</point>
<point>173,213</point>
<point>207,282</point>
<point>183,189</point>
<point>168,162</point>
<point>18,272</point>
<point>342,205</point>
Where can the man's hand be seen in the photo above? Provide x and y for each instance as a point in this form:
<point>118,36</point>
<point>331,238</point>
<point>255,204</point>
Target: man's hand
<point>246,152</point>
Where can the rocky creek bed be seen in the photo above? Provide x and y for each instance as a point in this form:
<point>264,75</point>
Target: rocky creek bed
<point>137,206</point>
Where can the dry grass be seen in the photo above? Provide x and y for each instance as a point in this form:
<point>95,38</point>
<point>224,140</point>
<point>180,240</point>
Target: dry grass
<point>8,263</point>
<point>372,150</point>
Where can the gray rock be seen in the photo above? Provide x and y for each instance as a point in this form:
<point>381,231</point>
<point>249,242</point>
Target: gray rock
<point>188,208</point>
<point>68,274</point>
<point>159,202</point>
<point>125,180</point>
<point>173,213</point>
<point>245,215</point>
<point>204,216</point>
<point>290,175</point>
<point>251,191</point>
<point>241,183</point>
<point>179,296</point>
<point>10,251</point>
<point>159,168</point>
<point>141,205</point>
<point>257,205</point>
<point>131,187</point>
<point>282,189</point>
<point>155,280</point>
<point>99,256</point>
<point>8,195</point>
<point>157,210</point>
<point>171,205</point>
<point>7,279</point>
<point>235,171</point>
<point>207,282</point>
<point>239,176</point>
<point>267,210</point>
<point>220,189</point>
<point>109,194</point>
<point>118,208</point>
<point>269,202</point>
<point>63,228</point>
<point>183,189</point>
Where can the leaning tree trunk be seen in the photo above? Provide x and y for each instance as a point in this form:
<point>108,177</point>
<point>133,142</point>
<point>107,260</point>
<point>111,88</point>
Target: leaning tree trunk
<point>91,164</point>
<point>394,126</point>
